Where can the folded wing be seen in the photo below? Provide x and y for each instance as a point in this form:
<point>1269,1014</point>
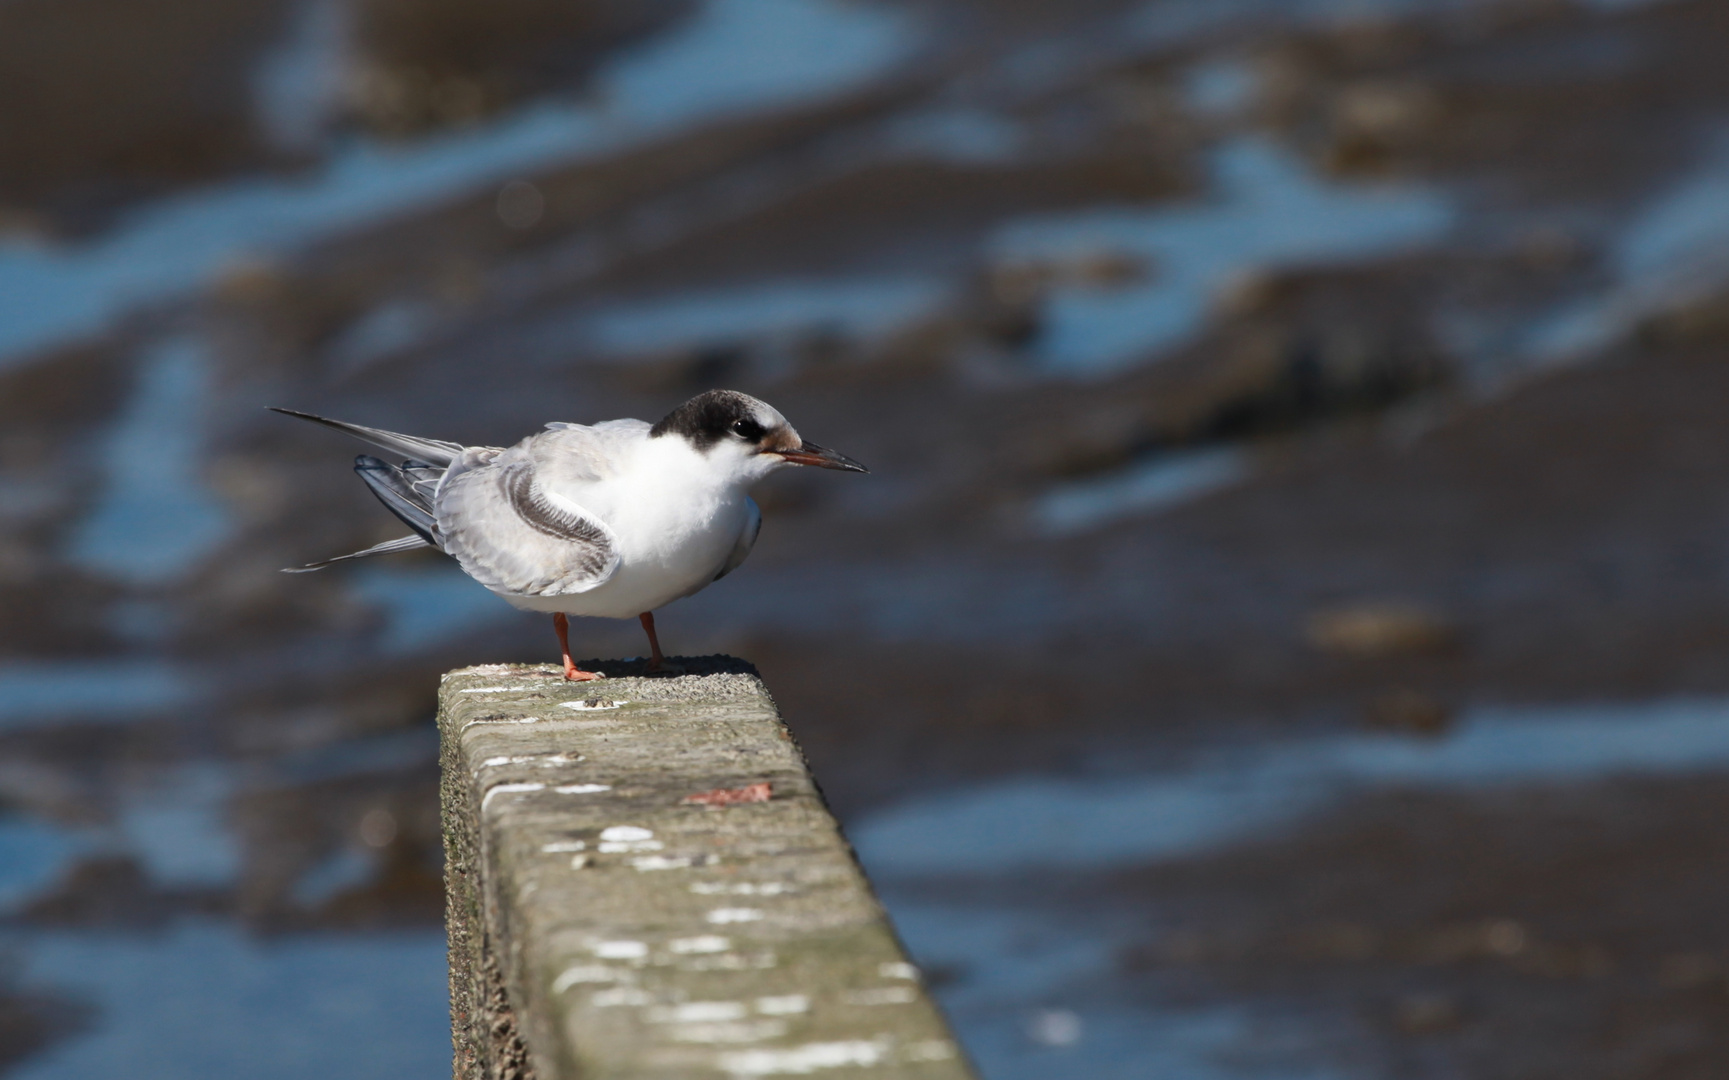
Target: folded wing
<point>511,533</point>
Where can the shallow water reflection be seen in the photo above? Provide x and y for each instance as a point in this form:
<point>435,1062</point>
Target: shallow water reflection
<point>204,999</point>
<point>992,889</point>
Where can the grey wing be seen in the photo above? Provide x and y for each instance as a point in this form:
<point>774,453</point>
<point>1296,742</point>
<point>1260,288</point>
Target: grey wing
<point>569,457</point>
<point>513,535</point>
<point>746,539</point>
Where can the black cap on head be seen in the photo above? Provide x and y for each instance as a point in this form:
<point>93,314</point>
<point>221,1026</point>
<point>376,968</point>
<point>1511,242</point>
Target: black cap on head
<point>710,417</point>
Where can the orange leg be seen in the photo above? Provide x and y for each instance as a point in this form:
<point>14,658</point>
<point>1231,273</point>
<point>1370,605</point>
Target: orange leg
<point>561,624</point>
<point>658,661</point>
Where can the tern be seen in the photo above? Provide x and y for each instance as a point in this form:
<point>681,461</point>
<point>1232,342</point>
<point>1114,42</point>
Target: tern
<point>613,519</point>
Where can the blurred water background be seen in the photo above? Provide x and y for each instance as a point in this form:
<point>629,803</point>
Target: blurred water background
<point>1285,635</point>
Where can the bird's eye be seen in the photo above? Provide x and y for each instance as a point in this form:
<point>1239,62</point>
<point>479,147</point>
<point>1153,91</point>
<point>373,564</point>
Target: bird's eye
<point>749,430</point>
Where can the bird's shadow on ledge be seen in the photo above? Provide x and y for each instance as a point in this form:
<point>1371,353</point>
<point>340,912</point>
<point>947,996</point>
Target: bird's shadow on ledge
<point>716,664</point>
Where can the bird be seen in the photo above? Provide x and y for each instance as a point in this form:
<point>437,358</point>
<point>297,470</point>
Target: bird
<point>613,519</point>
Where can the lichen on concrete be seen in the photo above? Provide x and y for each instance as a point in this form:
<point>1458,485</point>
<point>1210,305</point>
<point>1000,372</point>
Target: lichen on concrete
<point>603,926</point>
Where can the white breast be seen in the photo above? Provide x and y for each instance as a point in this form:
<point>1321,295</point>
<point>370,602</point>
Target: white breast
<point>676,519</point>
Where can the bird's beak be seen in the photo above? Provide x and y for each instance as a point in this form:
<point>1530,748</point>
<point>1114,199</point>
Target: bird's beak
<point>821,456</point>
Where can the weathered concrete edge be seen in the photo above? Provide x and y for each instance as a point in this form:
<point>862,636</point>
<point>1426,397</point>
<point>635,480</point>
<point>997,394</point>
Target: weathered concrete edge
<point>485,1043</point>
<point>504,1025</point>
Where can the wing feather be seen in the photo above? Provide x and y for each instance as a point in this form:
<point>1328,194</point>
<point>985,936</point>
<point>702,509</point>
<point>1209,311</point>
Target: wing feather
<point>436,451</point>
<point>513,535</point>
<point>403,491</point>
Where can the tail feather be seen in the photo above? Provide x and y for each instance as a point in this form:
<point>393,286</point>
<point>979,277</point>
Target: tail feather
<point>404,543</point>
<point>405,491</point>
<point>434,451</point>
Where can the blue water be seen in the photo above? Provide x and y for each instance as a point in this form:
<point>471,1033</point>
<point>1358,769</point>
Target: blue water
<point>424,606</point>
<point>204,999</point>
<point>1143,488</point>
<point>37,692</point>
<point>961,135</point>
<point>298,89</point>
<point>1018,963</point>
<point>1019,969</point>
<point>155,519</point>
<point>1267,211</point>
<point>33,854</point>
<point>733,56</point>
<point>1093,823</point>
<point>1675,248</point>
<point>176,825</point>
<point>859,308</point>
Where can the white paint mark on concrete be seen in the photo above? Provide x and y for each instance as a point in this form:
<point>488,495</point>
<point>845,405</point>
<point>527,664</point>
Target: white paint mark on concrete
<point>691,1012</point>
<point>783,1005</point>
<point>740,888</point>
<point>606,847</point>
<point>582,789</point>
<point>483,669</point>
<point>591,704</point>
<point>730,1032</point>
<point>928,1050</point>
<point>626,832</point>
<point>661,862</point>
<point>586,973</point>
<point>810,1057</point>
<point>623,995</point>
<point>881,995</point>
<point>498,789</point>
<point>624,839</point>
<point>897,969</point>
<point>702,943</point>
<point>620,950</point>
<point>544,761</point>
<point>725,915</point>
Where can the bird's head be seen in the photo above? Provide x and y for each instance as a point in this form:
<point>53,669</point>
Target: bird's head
<point>746,437</point>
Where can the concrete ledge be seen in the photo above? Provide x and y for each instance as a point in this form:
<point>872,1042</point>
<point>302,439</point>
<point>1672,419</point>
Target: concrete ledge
<point>603,924</point>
